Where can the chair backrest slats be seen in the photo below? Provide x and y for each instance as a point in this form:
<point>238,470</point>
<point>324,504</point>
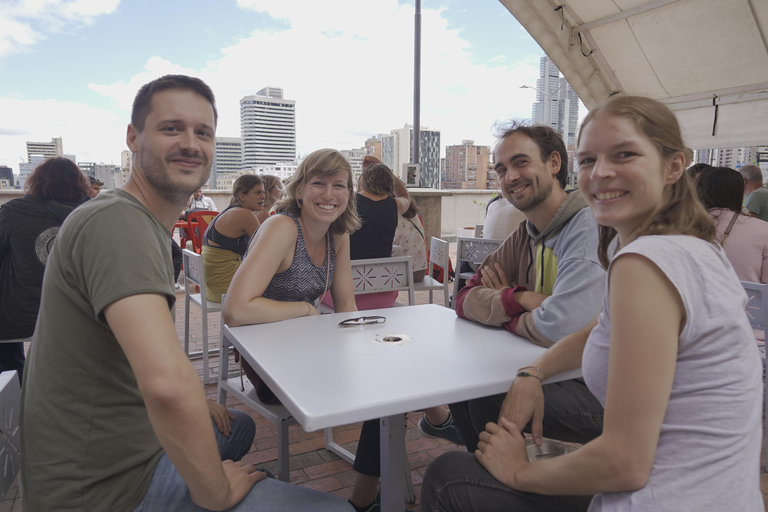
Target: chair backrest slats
<point>474,250</point>
<point>10,440</point>
<point>757,302</point>
<point>383,275</point>
<point>193,271</point>
<point>438,255</point>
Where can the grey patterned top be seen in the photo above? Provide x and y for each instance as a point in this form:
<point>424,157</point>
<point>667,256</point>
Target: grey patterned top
<point>303,281</point>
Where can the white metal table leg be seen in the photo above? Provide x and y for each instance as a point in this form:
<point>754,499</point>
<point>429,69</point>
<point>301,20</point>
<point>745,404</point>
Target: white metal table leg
<point>392,446</point>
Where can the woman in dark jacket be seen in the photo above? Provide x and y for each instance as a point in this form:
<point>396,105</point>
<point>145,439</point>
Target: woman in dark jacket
<point>28,229</point>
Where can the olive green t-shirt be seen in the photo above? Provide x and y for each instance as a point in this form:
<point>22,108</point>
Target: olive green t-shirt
<point>86,440</point>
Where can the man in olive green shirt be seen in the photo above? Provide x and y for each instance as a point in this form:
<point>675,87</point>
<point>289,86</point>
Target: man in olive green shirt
<point>114,416</point>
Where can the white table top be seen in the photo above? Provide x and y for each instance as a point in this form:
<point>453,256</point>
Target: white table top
<point>327,375</point>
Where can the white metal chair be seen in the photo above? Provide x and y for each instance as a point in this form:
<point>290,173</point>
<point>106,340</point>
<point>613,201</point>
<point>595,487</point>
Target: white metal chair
<point>277,414</point>
<point>757,306</point>
<point>381,275</point>
<point>194,275</point>
<point>438,256</point>
<point>473,251</point>
<point>10,435</point>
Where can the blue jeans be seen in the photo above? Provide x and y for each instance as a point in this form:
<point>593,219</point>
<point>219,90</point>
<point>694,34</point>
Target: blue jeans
<point>456,482</point>
<point>168,493</point>
<point>571,414</point>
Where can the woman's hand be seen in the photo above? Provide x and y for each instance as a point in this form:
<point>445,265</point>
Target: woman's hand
<point>312,310</point>
<point>524,403</point>
<point>502,452</point>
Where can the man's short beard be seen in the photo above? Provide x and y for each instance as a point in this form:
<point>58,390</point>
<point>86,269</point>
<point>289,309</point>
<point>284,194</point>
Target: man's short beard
<point>161,182</point>
<point>541,193</point>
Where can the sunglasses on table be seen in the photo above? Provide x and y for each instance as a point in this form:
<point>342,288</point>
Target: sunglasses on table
<point>363,320</point>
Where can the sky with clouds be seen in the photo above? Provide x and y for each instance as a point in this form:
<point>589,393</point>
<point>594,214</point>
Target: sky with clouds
<point>70,68</point>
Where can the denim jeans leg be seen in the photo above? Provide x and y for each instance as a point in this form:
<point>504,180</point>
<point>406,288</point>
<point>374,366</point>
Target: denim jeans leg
<point>571,412</point>
<point>462,417</point>
<point>456,482</point>
<point>240,439</point>
<point>168,493</point>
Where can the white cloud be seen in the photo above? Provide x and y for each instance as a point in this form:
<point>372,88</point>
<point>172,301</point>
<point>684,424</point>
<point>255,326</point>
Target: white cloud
<point>349,66</point>
<point>26,22</point>
<point>90,133</point>
<point>347,63</point>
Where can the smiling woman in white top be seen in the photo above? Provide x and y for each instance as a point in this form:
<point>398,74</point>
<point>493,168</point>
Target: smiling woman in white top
<point>671,356</point>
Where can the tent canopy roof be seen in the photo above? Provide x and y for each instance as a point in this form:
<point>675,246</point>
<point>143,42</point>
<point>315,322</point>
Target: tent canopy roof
<point>706,59</point>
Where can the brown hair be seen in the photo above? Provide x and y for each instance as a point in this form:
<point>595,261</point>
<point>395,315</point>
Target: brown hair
<point>548,140</point>
<point>413,209</point>
<point>323,162</point>
<point>679,210</point>
<point>243,185</point>
<point>370,160</point>
<point>270,183</point>
<point>58,179</point>
<point>142,102</point>
<point>377,179</point>
<point>720,187</point>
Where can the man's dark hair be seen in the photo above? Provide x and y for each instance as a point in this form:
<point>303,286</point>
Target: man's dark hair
<point>720,187</point>
<point>548,140</point>
<point>143,100</point>
<point>58,179</point>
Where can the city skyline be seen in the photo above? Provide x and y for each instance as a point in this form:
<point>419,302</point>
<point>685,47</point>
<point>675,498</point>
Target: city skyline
<point>74,67</point>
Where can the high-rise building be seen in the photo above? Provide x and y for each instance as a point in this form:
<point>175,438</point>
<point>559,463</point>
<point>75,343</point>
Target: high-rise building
<point>730,157</point>
<point>545,110</point>
<point>355,159</point>
<point>283,170</point>
<point>373,147</point>
<point>467,167</point>
<point>557,105</point>
<point>568,114</point>
<point>396,150</point>
<point>45,149</point>
<point>126,159</point>
<point>26,168</point>
<point>6,177</point>
<point>108,174</point>
<point>267,128</point>
<point>89,168</point>
<point>227,159</point>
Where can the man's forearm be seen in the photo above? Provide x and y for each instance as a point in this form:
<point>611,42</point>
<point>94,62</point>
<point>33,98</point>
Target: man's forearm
<point>179,415</point>
<point>400,190</point>
<point>172,394</point>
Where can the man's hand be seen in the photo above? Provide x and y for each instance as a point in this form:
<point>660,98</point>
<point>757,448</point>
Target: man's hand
<point>529,300</point>
<point>241,478</point>
<point>524,403</point>
<point>502,452</point>
<point>494,277</point>
<point>221,416</point>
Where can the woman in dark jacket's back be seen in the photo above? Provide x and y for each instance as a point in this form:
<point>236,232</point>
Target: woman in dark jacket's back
<point>28,229</point>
